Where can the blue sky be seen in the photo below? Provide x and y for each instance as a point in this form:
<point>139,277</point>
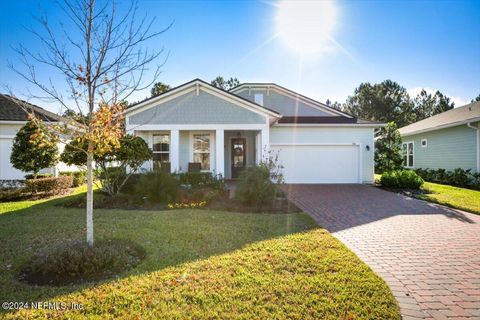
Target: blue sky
<point>429,44</point>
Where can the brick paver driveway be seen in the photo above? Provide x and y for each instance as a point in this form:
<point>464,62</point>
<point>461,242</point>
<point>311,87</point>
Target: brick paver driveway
<point>429,255</point>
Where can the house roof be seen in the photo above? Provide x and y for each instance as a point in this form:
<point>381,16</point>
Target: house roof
<point>450,118</point>
<point>339,118</point>
<point>14,109</point>
<point>291,93</point>
<point>199,81</point>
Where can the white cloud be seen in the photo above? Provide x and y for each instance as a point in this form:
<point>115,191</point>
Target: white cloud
<point>459,101</point>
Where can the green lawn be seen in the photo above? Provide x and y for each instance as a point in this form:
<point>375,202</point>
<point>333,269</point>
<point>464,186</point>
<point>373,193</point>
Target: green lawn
<point>460,198</point>
<point>454,197</point>
<point>200,264</point>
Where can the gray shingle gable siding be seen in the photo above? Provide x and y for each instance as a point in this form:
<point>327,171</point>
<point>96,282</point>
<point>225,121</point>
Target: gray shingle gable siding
<point>284,104</point>
<point>192,109</point>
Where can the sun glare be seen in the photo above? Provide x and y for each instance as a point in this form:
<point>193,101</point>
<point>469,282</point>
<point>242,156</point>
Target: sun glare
<point>306,26</point>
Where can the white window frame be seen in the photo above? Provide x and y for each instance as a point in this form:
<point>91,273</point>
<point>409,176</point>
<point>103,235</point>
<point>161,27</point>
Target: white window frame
<point>212,147</point>
<point>426,143</point>
<point>413,154</point>
<point>258,98</point>
<point>169,145</point>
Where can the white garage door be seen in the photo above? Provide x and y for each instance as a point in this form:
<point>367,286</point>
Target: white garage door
<point>319,163</point>
<point>7,171</point>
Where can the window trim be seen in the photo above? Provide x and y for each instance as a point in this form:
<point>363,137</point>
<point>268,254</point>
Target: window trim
<point>426,143</point>
<point>165,133</point>
<point>261,95</point>
<point>212,148</point>
<point>405,165</point>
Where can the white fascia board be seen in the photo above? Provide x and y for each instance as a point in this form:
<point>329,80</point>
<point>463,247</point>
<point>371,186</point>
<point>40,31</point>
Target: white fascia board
<point>315,144</point>
<point>363,125</point>
<point>189,127</point>
<point>12,122</point>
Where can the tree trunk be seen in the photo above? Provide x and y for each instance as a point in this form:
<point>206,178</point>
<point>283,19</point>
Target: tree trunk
<point>90,199</point>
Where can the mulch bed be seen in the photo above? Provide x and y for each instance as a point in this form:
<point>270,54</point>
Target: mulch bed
<point>279,205</point>
<point>101,201</point>
<point>406,192</point>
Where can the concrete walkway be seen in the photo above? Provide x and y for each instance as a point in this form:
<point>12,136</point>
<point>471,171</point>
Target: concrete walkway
<point>428,254</point>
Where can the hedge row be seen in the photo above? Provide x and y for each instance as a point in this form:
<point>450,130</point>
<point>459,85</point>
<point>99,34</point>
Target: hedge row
<point>49,185</point>
<point>457,177</point>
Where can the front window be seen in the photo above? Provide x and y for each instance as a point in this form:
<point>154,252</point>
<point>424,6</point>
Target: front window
<point>161,150</point>
<point>201,150</point>
<point>407,152</point>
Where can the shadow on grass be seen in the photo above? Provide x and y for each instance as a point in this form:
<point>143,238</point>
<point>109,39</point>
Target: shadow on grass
<point>169,237</point>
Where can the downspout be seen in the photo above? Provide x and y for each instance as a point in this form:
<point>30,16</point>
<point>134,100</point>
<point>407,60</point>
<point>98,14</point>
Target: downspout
<point>469,124</point>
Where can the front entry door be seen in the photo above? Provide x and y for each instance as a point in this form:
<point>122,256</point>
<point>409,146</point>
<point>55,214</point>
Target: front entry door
<point>239,156</point>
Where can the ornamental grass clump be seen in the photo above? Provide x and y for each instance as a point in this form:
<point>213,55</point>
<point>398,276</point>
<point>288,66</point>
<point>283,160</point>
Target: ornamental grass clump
<point>258,185</point>
<point>75,262</point>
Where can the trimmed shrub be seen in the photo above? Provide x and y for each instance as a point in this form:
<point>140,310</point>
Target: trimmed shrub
<point>49,185</point>
<point>131,154</point>
<point>255,187</point>
<point>475,182</point>
<point>401,179</point>
<point>158,187</point>
<point>11,194</point>
<point>40,175</point>
<point>32,150</point>
<point>458,177</point>
<point>201,179</point>
<point>79,177</point>
<point>112,179</point>
<point>74,261</point>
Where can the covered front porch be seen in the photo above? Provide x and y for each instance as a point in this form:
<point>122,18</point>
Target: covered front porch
<point>226,151</point>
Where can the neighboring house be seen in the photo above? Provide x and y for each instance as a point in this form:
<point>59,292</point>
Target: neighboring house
<point>447,140</point>
<point>200,126</point>
<point>13,115</point>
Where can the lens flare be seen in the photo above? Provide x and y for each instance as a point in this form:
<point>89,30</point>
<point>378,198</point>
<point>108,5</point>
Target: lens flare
<point>307,26</point>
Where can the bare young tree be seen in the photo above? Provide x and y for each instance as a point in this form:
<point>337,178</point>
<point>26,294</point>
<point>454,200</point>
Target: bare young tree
<point>102,56</point>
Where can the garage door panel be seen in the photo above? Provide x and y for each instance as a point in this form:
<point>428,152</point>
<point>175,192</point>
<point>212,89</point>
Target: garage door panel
<point>7,171</point>
<point>319,163</point>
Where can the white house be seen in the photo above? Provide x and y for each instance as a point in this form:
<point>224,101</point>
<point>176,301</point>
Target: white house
<point>14,115</point>
<point>198,125</point>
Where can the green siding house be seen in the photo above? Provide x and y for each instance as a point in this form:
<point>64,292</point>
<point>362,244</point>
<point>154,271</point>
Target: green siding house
<point>448,140</point>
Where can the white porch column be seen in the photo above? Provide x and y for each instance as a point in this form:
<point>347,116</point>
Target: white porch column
<point>258,147</point>
<point>220,152</point>
<point>174,150</point>
<point>265,139</point>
